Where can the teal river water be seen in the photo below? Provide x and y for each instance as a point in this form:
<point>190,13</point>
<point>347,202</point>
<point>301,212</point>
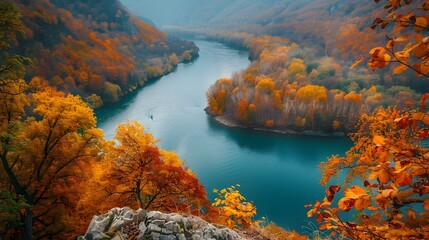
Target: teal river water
<point>277,172</point>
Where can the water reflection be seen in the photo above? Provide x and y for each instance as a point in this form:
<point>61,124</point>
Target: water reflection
<point>304,149</point>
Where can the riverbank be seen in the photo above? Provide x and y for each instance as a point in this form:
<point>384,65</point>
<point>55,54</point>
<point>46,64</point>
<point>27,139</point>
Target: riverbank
<point>229,123</point>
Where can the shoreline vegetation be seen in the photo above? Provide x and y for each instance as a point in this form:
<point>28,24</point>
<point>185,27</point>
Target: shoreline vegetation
<point>290,89</point>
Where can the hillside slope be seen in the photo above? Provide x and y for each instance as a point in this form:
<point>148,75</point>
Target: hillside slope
<point>96,49</point>
<point>306,22</point>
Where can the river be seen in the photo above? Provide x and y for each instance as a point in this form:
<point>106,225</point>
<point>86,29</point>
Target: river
<point>277,172</point>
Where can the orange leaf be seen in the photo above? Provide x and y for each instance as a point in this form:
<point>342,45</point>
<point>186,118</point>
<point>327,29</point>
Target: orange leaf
<point>419,37</point>
<point>346,204</point>
<point>354,192</point>
<point>383,177</point>
<point>404,179</point>
<point>420,50</point>
<point>362,203</point>
<point>420,24</point>
<point>400,69</point>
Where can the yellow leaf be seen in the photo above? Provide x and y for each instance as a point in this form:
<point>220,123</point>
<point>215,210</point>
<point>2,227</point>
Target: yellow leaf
<point>379,140</point>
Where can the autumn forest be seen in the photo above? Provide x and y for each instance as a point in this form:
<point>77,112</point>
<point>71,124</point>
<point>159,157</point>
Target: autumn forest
<point>260,119</point>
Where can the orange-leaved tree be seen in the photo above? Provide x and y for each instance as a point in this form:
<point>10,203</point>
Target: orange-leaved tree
<point>393,201</point>
<point>137,173</point>
<point>390,153</point>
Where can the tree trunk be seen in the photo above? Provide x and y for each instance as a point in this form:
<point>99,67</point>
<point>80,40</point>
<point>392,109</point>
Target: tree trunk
<point>28,224</point>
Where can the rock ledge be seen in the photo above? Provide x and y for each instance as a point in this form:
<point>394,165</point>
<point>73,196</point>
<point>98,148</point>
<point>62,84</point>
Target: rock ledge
<point>125,223</point>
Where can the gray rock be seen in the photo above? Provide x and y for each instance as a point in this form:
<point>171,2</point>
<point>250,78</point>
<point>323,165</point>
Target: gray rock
<point>198,235</point>
<point>154,215</point>
<point>172,226</point>
<point>159,222</point>
<point>98,223</point>
<point>142,228</point>
<point>181,236</point>
<point>174,217</point>
<point>208,234</point>
<point>166,231</point>
<point>155,235</point>
<point>167,237</point>
<point>153,228</point>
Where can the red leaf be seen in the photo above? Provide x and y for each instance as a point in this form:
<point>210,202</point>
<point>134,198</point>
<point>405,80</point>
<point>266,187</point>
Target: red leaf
<point>424,133</point>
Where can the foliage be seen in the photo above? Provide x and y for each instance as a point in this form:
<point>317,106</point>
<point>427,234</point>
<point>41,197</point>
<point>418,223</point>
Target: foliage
<point>234,206</point>
<point>388,157</point>
<point>10,208</point>
<point>408,47</point>
<point>135,172</point>
<point>83,47</point>
<point>11,65</point>
<point>305,93</point>
<point>44,153</point>
<point>389,153</point>
<point>139,171</point>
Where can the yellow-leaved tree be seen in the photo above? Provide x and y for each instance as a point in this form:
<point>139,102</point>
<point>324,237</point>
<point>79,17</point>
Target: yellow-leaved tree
<point>234,207</point>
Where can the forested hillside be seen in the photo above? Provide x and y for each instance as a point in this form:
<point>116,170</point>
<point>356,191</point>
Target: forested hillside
<point>296,48</point>
<point>95,48</point>
<point>330,27</point>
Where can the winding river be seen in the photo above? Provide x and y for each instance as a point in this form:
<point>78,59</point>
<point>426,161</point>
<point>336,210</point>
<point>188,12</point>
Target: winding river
<point>277,172</point>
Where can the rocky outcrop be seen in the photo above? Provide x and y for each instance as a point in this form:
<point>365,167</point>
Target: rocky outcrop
<point>125,223</point>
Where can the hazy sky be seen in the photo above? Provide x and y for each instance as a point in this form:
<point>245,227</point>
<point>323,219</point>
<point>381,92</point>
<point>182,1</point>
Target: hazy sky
<point>202,12</point>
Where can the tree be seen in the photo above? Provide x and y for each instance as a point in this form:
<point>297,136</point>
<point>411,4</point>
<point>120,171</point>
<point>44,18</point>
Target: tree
<point>388,157</point>
<point>186,55</point>
<point>312,93</point>
<point>137,173</point>
<point>234,206</point>
<point>42,154</point>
